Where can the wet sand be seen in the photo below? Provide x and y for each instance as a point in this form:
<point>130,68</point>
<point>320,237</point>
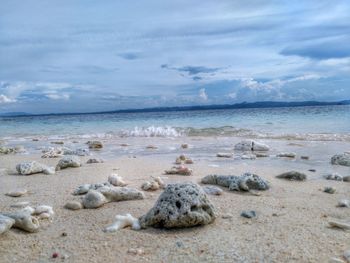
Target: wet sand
<point>291,224</point>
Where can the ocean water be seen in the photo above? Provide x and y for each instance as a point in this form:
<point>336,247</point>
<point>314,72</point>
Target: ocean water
<point>307,123</point>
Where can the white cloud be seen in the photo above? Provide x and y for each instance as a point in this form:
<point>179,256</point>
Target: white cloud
<point>203,95</point>
<point>4,99</point>
<point>55,96</point>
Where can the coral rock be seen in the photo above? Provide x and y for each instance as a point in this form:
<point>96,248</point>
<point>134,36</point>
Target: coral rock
<point>94,199</point>
<point>34,167</point>
<point>5,224</point>
<point>95,144</point>
<point>212,190</point>
<point>95,160</point>
<point>17,193</point>
<point>73,205</point>
<point>245,182</point>
<point>180,170</point>
<point>334,176</point>
<point>250,145</point>
<point>123,221</point>
<point>180,205</point>
<point>293,176</point>
<point>68,161</point>
<point>341,159</point>
<point>116,180</point>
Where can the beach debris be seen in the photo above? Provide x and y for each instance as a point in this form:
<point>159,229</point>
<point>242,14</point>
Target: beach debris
<point>304,157</point>
<point>344,203</point>
<point>153,185</point>
<point>43,212</point>
<point>73,205</point>
<point>180,170</point>
<point>224,155</point>
<point>182,159</point>
<point>123,221</point>
<point>57,142</point>
<point>339,224</point>
<point>212,190</point>
<point>245,182</point>
<point>52,153</point>
<point>251,145</point>
<point>184,146</point>
<point>106,194</point>
<point>17,193</point>
<point>24,220</point>
<point>287,155</point>
<point>334,176</point>
<point>151,147</point>
<point>180,205</point>
<point>292,176</point>
<point>28,168</point>
<point>329,190</point>
<point>95,144</point>
<point>341,159</point>
<point>12,150</point>
<point>78,152</point>
<point>346,178</point>
<point>248,156</point>
<point>261,155</point>
<point>68,161</point>
<point>248,214</point>
<point>116,180</point>
<point>95,160</point>
<point>5,224</point>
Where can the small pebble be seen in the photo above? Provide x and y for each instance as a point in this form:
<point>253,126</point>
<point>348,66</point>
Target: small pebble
<point>64,234</point>
<point>55,255</point>
<point>248,214</point>
<point>344,203</point>
<point>312,170</point>
<point>226,216</point>
<point>329,190</point>
<point>305,157</point>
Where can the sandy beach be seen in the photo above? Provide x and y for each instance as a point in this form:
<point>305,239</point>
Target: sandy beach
<point>291,223</point>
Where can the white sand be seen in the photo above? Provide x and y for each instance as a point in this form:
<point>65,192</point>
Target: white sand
<point>291,226</point>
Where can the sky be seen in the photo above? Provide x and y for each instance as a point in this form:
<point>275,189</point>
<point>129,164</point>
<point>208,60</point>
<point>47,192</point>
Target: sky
<point>85,56</point>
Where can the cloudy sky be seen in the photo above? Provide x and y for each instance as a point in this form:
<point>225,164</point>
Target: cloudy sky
<point>80,56</point>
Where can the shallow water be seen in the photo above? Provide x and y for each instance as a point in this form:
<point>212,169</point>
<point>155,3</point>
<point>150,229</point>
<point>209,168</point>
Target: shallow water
<point>309,123</point>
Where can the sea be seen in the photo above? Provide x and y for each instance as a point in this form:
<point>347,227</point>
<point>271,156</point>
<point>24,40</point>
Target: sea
<point>328,123</point>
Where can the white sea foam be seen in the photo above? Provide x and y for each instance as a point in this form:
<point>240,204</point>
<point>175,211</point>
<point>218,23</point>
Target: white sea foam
<point>151,131</point>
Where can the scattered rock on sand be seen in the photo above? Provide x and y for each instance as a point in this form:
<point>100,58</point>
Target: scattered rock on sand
<point>184,146</point>
<point>339,224</point>
<point>344,203</point>
<point>329,190</point>
<point>116,180</point>
<point>287,155</point>
<point>261,155</point>
<point>248,214</point>
<point>52,153</point>
<point>153,185</point>
<point>341,159</point>
<point>151,147</point>
<point>180,205</point>
<point>334,176</point>
<point>68,161</point>
<point>94,160</point>
<point>293,176</point>
<point>24,220</point>
<point>94,199</point>
<point>106,194</point>
<point>212,190</point>
<point>17,193</point>
<point>346,178</point>
<point>312,170</point>
<point>250,145</point>
<point>123,221</point>
<point>12,150</point>
<point>78,152</point>
<point>5,224</point>
<point>183,159</point>
<point>73,205</point>
<point>224,155</point>
<point>180,170</point>
<point>58,142</point>
<point>34,167</point>
<point>94,144</point>
<point>245,182</point>
<point>303,157</point>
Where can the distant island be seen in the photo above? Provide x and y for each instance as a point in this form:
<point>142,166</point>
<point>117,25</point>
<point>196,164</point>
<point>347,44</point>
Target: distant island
<point>243,105</point>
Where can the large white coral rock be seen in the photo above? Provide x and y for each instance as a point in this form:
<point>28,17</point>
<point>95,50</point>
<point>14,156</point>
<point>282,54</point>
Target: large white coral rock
<point>251,145</point>
<point>28,168</point>
<point>180,205</point>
